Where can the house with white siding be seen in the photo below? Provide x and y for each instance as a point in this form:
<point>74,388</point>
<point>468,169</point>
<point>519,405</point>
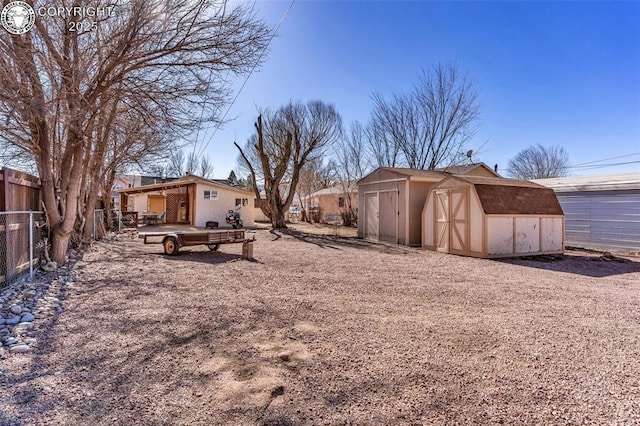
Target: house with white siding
<point>190,200</point>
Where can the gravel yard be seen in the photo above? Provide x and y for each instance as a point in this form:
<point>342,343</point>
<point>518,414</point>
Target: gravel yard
<point>377,335</point>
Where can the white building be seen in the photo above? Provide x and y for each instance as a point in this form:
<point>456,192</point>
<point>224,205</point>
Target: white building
<point>191,200</point>
<point>601,212</point>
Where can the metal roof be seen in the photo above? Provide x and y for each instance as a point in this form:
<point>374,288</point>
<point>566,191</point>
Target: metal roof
<point>613,182</point>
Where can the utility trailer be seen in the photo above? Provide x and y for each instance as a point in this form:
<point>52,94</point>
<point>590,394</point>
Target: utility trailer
<point>172,241</point>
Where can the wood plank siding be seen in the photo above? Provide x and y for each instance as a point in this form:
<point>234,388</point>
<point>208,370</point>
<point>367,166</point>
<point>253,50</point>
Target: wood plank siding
<point>19,192</point>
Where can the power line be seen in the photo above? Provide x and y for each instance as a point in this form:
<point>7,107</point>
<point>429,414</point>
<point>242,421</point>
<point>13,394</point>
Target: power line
<point>588,167</point>
<point>206,95</point>
<point>599,166</point>
<point>606,159</point>
<point>282,20</point>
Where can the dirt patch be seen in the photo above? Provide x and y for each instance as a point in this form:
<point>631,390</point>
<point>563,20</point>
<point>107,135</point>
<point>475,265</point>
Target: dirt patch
<point>378,334</point>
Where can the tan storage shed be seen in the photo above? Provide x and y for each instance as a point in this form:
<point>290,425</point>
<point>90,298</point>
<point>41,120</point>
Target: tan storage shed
<point>390,201</point>
<point>489,217</point>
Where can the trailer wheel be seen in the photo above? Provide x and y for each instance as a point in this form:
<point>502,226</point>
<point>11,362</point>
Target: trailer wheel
<point>213,247</point>
<point>171,246</point>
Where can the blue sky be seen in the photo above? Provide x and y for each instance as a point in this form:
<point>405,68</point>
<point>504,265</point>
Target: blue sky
<point>555,73</point>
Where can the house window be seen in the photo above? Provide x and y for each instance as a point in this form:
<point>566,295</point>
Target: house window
<point>242,201</point>
<point>210,195</point>
<point>341,202</point>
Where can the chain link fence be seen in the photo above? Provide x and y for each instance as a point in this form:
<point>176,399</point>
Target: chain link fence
<point>22,237</point>
<point>98,221</point>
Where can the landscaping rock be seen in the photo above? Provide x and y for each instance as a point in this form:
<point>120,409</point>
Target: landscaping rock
<point>16,309</point>
<point>11,341</point>
<point>28,317</point>
<point>20,349</point>
<point>12,320</point>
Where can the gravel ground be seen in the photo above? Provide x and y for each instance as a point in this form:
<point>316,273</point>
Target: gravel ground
<point>377,334</point>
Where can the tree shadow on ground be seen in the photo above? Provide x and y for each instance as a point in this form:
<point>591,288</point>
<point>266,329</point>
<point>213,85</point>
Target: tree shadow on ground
<point>337,242</point>
<point>133,371</point>
<point>574,263</point>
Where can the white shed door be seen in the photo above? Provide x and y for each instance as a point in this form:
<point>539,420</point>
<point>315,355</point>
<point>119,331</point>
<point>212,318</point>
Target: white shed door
<point>371,216</point>
<point>388,222</point>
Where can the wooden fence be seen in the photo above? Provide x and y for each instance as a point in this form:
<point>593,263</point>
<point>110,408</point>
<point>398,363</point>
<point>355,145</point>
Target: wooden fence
<point>19,192</point>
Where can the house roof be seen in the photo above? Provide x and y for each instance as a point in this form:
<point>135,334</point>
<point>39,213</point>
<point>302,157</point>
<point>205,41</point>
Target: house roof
<point>335,190</point>
<point>189,179</point>
<point>612,182</point>
<point>510,196</point>
<point>463,169</point>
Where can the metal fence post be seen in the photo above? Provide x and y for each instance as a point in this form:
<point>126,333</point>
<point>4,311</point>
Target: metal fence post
<point>30,245</point>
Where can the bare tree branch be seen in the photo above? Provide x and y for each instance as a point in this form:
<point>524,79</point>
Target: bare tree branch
<point>539,162</point>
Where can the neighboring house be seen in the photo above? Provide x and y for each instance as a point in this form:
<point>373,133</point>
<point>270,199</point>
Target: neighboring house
<point>391,200</point>
<point>190,200</point>
<point>601,212</point>
<point>492,217</point>
<point>473,169</point>
<point>329,204</point>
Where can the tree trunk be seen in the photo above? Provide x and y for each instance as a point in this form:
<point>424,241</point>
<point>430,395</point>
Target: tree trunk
<point>278,221</point>
<point>59,246</point>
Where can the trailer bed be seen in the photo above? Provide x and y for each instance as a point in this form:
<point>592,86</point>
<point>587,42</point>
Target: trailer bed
<point>173,240</point>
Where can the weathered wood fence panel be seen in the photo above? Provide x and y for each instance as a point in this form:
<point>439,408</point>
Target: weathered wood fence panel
<point>19,194</point>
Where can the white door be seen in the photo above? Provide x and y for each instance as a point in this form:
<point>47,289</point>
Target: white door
<point>388,222</point>
<point>371,216</point>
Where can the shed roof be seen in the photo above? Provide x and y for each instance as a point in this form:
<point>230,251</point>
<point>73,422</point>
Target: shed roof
<point>384,173</point>
<point>405,171</point>
<point>509,196</point>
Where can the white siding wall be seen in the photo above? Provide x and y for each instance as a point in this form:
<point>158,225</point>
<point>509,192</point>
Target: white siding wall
<point>499,235</point>
<point>476,223</point>
<point>527,234</point>
<point>427,222</point>
<point>551,234</point>
<point>216,210</point>
<point>140,203</point>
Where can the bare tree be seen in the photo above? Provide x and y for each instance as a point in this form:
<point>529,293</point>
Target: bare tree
<point>206,167</point>
<point>353,163</point>
<point>428,125</point>
<point>191,165</point>
<point>176,166</point>
<point>284,141</point>
<point>54,82</point>
<point>539,162</point>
